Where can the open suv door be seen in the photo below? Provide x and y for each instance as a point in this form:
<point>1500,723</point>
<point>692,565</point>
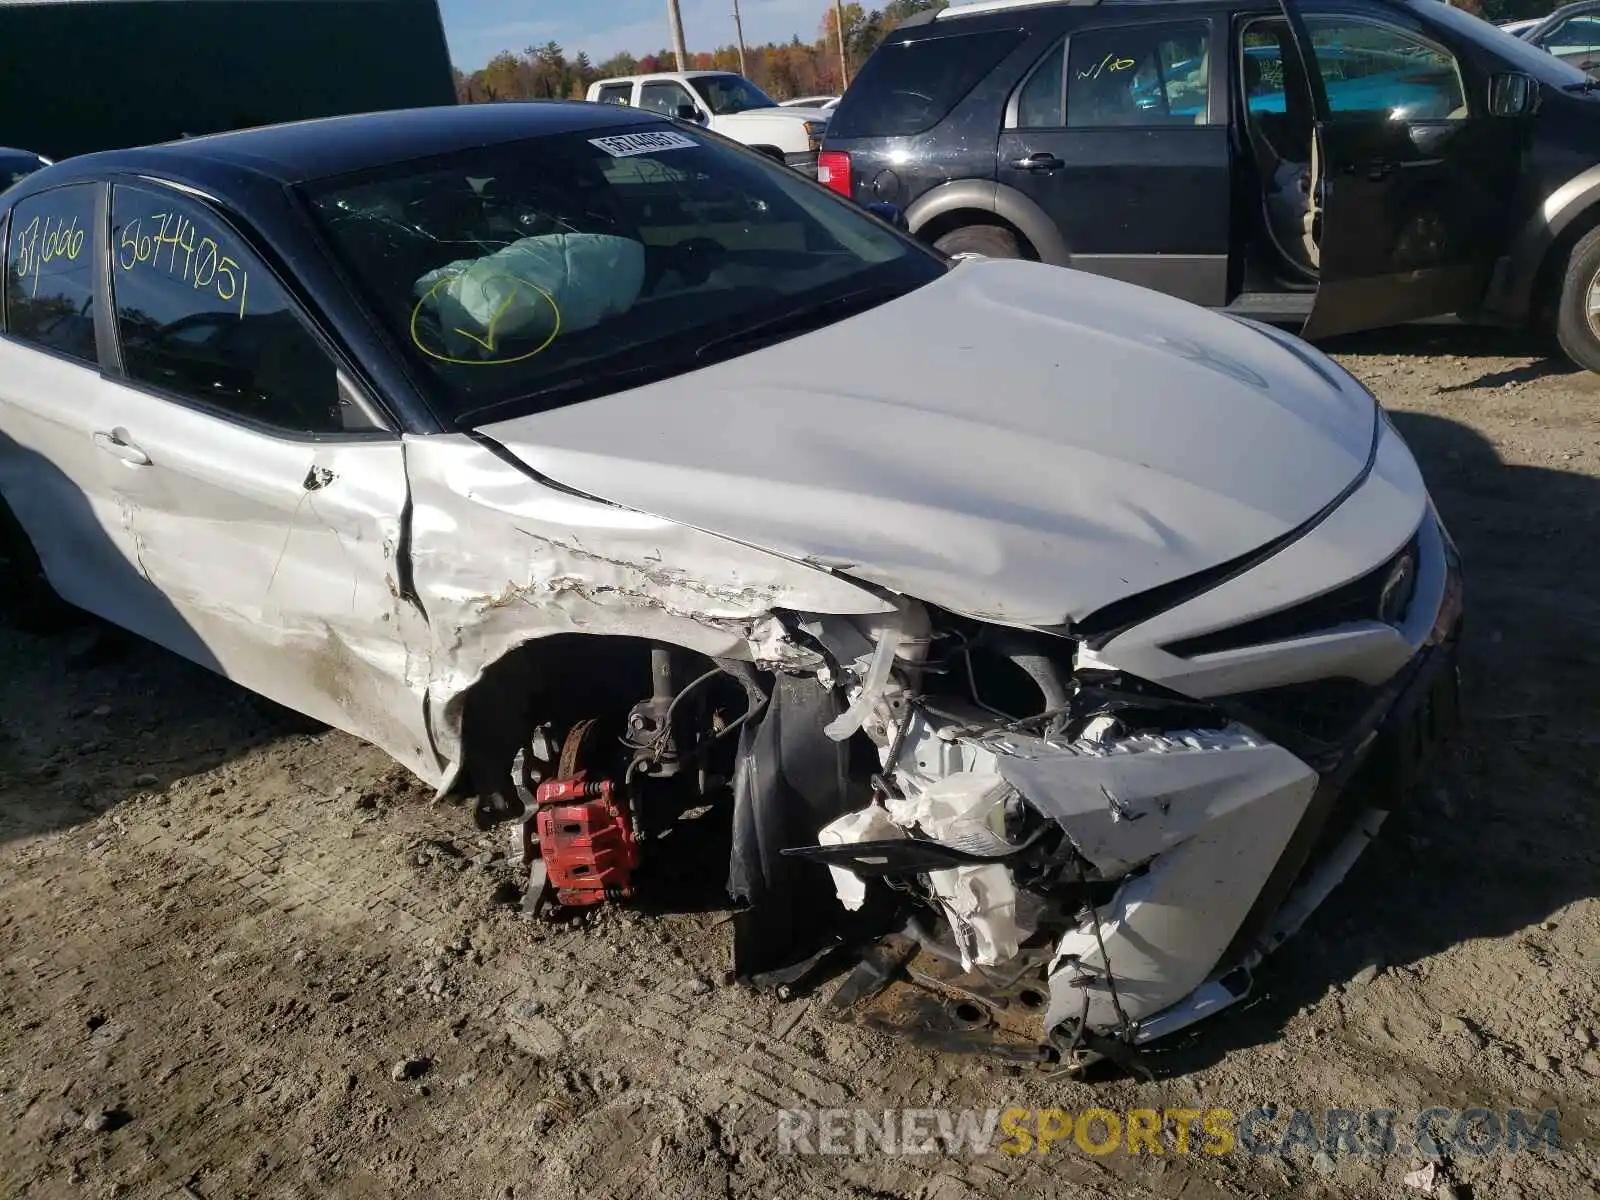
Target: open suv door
<point>1414,176</point>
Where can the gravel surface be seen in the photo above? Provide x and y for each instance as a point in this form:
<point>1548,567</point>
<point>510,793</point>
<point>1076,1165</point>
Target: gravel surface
<point>237,960</point>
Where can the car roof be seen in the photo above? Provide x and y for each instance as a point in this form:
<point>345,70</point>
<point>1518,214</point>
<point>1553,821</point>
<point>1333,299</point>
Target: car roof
<point>964,9</point>
<point>304,150</point>
<point>661,75</point>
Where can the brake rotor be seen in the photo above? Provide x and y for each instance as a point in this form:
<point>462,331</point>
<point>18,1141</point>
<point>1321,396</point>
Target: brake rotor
<point>572,748</point>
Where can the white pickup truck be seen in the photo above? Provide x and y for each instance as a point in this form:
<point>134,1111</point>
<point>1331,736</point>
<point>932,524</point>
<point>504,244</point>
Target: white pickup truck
<point>727,104</point>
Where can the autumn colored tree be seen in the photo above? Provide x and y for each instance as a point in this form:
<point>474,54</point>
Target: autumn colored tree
<point>783,70</point>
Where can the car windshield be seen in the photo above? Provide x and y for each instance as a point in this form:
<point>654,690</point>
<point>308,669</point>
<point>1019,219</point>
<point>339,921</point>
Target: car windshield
<point>728,94</point>
<point>534,274</point>
<point>1517,54</point>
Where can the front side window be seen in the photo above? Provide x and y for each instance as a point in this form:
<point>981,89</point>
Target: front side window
<point>663,97</point>
<point>1149,75</point>
<point>728,94</point>
<point>1371,71</point>
<point>540,273</point>
<point>1261,64</point>
<point>201,318</point>
<point>50,272</point>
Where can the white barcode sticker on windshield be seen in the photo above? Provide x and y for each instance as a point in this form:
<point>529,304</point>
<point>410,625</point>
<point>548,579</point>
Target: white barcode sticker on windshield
<point>625,145</point>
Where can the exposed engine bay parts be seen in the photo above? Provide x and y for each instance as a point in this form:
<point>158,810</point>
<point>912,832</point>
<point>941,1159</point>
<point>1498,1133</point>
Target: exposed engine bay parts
<point>1027,857</point>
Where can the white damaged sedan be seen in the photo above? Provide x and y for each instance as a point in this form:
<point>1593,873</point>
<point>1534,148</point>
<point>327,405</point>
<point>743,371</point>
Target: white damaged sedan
<point>1047,647</point>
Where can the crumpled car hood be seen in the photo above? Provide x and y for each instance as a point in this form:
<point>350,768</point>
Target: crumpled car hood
<point>1013,442</point>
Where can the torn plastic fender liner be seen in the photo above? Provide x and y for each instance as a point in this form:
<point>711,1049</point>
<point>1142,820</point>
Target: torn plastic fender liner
<point>790,781</point>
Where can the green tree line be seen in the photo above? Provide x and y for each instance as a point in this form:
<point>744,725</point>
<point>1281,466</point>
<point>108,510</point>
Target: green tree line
<point>784,70</point>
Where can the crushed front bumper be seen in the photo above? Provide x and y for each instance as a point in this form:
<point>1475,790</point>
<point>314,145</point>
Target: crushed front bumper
<point>1197,852</point>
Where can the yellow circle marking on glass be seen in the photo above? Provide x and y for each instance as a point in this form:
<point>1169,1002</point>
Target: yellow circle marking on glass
<point>487,342</point>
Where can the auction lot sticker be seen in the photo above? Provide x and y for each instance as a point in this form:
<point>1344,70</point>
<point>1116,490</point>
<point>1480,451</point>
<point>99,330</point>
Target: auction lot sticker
<point>626,145</point>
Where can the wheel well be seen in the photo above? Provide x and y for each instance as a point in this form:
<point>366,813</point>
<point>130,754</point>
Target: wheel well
<point>557,681</point>
<point>1553,266</point>
<point>960,218</point>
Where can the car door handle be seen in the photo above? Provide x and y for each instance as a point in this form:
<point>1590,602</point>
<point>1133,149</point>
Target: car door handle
<point>1379,168</point>
<point>116,442</point>
<point>1043,161</point>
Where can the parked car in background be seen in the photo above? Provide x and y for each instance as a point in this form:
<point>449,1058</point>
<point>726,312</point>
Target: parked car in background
<point>822,102</point>
<point>727,104</point>
<point>17,165</point>
<point>600,469</point>
<point>1572,34</point>
<point>1429,164</point>
<point>1518,28</point>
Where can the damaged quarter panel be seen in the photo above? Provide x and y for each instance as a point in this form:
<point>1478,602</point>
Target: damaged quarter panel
<point>501,559</point>
<point>1135,441</point>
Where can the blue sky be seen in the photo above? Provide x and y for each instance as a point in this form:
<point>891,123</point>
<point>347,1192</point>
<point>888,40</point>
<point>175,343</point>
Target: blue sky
<point>478,29</point>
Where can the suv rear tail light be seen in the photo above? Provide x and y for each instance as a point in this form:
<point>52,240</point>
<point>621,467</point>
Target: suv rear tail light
<point>833,171</point>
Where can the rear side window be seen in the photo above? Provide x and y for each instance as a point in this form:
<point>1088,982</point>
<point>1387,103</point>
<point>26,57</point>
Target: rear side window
<point>664,97</point>
<point>1138,75</point>
<point>909,87</point>
<point>50,272</point>
<point>616,93</point>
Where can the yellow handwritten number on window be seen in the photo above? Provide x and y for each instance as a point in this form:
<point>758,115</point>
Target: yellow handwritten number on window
<point>204,266</point>
<point>1109,63</point>
<point>45,240</point>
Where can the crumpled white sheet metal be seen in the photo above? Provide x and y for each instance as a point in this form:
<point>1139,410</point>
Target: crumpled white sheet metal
<point>870,824</point>
<point>979,899</point>
<point>500,559</point>
<point>965,810</point>
<point>1194,822</point>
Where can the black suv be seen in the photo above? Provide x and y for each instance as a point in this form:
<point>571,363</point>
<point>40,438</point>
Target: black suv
<point>1348,163</point>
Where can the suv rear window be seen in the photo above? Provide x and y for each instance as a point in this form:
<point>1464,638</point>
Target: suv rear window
<point>907,87</point>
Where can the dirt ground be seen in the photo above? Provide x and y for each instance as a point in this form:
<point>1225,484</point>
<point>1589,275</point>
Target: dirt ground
<point>241,961</point>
